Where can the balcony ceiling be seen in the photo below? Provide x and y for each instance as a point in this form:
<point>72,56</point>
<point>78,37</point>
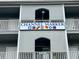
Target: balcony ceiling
<point>9,12</point>
<point>73,38</point>
<point>72,9</point>
<point>8,38</point>
<point>72,12</point>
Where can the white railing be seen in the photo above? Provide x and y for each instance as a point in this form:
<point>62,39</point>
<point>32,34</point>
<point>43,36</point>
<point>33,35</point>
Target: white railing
<point>39,55</point>
<point>72,24</point>
<point>59,55</point>
<point>74,54</point>
<point>42,55</point>
<point>8,55</point>
<point>8,25</point>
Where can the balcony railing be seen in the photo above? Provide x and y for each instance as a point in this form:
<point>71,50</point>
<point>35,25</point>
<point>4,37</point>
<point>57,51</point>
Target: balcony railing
<point>8,55</point>
<point>42,55</point>
<point>74,54</point>
<point>8,25</point>
<point>72,24</point>
<point>39,55</point>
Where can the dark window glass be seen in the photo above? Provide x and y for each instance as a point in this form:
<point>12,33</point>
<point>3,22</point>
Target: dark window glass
<point>42,44</point>
<point>42,14</point>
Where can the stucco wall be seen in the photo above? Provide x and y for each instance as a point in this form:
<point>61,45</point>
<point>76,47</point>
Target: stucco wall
<point>55,11</point>
<point>27,40</point>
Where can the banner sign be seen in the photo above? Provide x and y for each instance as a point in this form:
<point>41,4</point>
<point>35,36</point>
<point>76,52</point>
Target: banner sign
<point>42,26</point>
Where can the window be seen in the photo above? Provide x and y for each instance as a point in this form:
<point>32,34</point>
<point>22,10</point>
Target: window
<point>42,14</point>
<point>42,44</point>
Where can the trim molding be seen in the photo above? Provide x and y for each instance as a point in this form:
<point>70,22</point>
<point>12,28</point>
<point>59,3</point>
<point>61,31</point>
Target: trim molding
<point>39,2</point>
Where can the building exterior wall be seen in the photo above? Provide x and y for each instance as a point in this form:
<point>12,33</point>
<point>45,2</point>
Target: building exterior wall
<point>27,40</point>
<point>55,11</point>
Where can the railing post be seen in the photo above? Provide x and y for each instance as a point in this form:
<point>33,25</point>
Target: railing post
<point>51,55</point>
<point>34,55</point>
<point>68,55</point>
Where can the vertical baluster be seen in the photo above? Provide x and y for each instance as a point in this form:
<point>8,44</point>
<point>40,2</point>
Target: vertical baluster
<point>22,55</point>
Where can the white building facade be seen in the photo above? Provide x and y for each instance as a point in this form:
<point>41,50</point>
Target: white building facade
<point>45,29</point>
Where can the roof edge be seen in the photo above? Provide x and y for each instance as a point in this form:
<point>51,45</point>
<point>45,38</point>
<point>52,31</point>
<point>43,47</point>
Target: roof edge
<point>40,2</point>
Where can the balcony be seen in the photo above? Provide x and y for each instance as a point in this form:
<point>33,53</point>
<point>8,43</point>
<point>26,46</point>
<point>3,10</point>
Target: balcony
<point>33,55</point>
<point>47,55</point>
<point>8,55</point>
<point>9,26</point>
<point>39,55</point>
<point>72,25</point>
